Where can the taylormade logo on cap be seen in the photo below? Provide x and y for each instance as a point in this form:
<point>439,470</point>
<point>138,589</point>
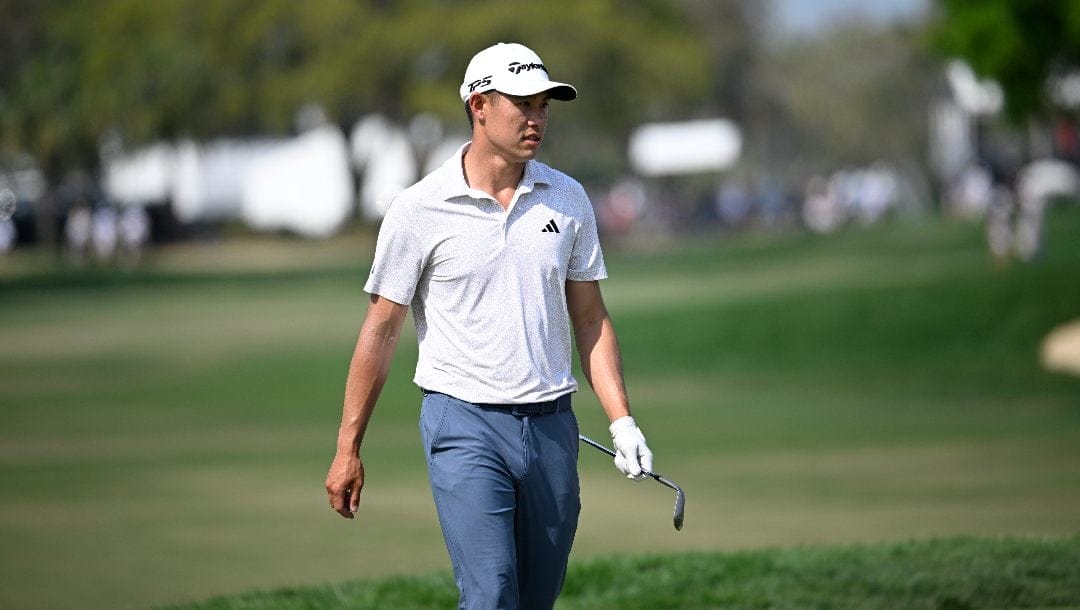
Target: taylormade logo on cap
<point>513,69</point>
<point>516,68</point>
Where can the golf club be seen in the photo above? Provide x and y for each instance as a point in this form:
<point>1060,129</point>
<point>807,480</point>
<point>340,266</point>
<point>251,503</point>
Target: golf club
<point>680,497</point>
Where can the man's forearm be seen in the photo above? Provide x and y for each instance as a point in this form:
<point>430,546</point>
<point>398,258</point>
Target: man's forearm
<point>601,362</point>
<point>368,370</point>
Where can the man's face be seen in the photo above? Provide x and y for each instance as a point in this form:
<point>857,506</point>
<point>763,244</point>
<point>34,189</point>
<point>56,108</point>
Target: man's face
<point>515,124</point>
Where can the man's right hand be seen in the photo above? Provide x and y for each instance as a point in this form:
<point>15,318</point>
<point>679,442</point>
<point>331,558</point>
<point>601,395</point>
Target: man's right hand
<point>343,484</point>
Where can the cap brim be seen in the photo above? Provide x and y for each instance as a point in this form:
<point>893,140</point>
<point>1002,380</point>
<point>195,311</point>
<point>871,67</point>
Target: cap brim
<point>563,92</point>
<point>558,91</point>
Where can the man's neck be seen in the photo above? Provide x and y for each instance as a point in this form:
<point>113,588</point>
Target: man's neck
<point>491,173</point>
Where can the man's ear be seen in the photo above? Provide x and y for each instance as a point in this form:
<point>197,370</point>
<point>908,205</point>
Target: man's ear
<point>478,103</point>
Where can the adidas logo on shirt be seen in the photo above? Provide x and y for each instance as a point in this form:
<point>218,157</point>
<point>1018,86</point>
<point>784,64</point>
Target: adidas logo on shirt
<point>551,227</point>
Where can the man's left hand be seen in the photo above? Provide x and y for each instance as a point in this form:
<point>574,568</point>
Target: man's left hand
<point>632,456</point>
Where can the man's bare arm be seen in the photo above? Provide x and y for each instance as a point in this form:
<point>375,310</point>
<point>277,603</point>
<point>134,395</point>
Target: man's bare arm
<point>368,371</point>
<point>597,346</point>
<point>601,362</point>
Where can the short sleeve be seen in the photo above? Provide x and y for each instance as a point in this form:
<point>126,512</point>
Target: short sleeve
<point>399,256</point>
<point>586,258</point>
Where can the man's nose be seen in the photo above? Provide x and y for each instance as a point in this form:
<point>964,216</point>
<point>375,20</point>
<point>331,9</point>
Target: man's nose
<point>537,116</point>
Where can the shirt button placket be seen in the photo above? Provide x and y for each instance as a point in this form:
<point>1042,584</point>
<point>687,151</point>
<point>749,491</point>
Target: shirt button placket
<point>502,216</point>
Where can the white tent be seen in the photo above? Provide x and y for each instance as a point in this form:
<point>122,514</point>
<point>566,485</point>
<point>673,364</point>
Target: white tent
<point>142,177</point>
<point>383,154</point>
<point>303,185</point>
<point>664,149</point>
<point>209,179</point>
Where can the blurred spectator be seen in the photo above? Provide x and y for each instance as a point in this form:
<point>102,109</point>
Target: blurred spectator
<point>77,230</point>
<point>8,235</point>
<point>733,204</point>
<point>999,222</point>
<point>621,210</point>
<point>1066,140</point>
<point>971,195</point>
<point>772,204</point>
<point>134,230</point>
<point>822,211</point>
<point>866,195</point>
<point>103,233</point>
<point>1014,221</point>
<point>1037,185</point>
<point>843,187</point>
<point>876,194</point>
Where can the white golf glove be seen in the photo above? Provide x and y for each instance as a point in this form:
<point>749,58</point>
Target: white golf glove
<point>632,455</point>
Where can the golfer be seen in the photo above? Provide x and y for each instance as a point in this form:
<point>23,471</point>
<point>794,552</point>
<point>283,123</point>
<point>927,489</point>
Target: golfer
<point>498,256</point>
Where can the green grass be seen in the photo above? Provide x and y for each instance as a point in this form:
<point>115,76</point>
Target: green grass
<point>935,574</point>
<point>164,433</point>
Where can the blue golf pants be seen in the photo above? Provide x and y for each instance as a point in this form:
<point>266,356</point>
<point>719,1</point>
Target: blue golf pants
<point>505,485</point>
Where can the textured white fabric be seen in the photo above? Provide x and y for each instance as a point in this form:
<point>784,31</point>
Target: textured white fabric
<point>487,286</point>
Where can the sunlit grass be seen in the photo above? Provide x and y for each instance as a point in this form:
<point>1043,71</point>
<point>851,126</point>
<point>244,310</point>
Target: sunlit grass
<point>164,434</point>
<point>953,573</point>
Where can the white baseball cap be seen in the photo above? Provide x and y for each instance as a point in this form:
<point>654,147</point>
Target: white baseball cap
<point>512,69</point>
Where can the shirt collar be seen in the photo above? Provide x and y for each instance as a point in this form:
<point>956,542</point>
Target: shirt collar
<point>535,173</point>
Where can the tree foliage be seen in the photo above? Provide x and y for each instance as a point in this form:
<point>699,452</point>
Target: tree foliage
<point>848,106</point>
<point>206,68</point>
<point>1019,43</point>
<point>72,72</point>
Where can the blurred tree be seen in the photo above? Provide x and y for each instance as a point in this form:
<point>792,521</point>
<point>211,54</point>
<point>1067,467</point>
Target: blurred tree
<point>857,93</point>
<point>24,83</point>
<point>1019,43</point>
<point>71,71</point>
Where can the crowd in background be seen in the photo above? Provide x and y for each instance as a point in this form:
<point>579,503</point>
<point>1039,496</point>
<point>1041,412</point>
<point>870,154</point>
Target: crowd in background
<point>99,231</point>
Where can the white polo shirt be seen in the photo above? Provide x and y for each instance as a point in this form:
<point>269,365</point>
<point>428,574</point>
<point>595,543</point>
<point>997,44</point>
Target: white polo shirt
<point>487,286</point>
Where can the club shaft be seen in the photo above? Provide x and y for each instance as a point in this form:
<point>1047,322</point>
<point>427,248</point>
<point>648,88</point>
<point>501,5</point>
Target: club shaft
<point>658,478</point>
<point>589,441</point>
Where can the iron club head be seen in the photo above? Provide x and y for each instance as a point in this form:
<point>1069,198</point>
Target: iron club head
<point>680,497</point>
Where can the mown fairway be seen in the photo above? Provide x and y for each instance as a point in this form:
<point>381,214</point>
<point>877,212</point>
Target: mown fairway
<point>164,435</point>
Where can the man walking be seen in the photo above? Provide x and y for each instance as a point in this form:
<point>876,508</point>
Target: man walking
<point>499,258</point>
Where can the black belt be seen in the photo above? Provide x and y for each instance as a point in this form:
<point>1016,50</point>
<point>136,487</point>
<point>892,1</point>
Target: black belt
<point>547,407</point>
